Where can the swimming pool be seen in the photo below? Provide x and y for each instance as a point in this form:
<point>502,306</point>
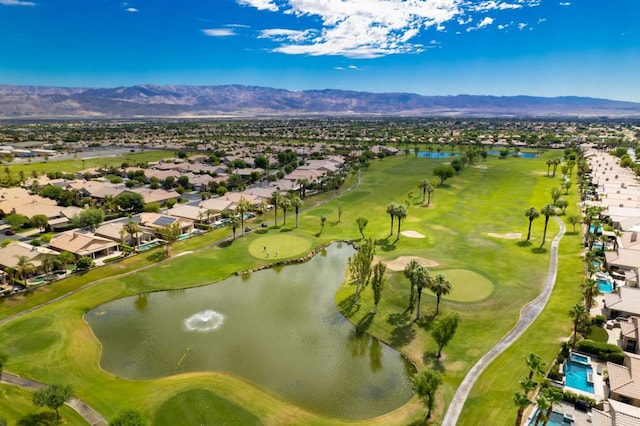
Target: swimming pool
<point>578,374</point>
<point>595,229</point>
<point>580,358</point>
<point>149,246</point>
<point>555,419</point>
<point>605,286</point>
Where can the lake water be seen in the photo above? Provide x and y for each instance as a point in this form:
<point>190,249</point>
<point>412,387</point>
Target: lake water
<point>278,328</point>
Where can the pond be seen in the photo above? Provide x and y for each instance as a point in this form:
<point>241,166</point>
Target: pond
<point>278,328</point>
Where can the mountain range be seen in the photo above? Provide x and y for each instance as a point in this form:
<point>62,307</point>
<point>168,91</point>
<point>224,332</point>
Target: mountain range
<point>148,101</point>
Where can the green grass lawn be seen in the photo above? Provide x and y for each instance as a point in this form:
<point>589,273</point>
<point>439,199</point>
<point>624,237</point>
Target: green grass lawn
<point>16,406</point>
<point>493,279</point>
<point>76,165</point>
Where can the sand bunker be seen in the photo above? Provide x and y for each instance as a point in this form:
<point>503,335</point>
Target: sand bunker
<point>412,234</point>
<point>399,263</point>
<point>480,166</point>
<point>183,253</point>
<point>510,236</point>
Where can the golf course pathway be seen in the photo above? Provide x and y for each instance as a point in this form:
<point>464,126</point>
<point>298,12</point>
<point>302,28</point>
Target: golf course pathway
<point>89,414</point>
<point>528,314</point>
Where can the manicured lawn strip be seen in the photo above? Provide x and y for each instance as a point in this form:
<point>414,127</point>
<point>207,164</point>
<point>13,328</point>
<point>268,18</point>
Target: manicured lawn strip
<point>16,405</point>
<point>74,166</point>
<point>492,397</point>
<point>463,212</point>
<point>197,406</point>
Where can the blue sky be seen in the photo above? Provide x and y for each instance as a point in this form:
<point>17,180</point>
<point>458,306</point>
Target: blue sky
<point>430,47</point>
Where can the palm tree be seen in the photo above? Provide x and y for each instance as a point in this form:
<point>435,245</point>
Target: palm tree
<point>521,401</point>
<point>276,197</point>
<point>242,207</point>
<point>303,187</point>
<point>170,234</point>
<point>440,286</point>
<point>391,209</point>
<point>65,258</point>
<point>548,211</point>
<point>549,163</point>
<point>24,267</point>
<point>553,396</point>
<point>532,214</point>
<point>430,190</point>
<point>48,261</point>
<point>579,315</point>
<point>527,385</point>
<point>425,384</point>
<point>535,364</point>
<point>133,229</point>
<point>234,222</point>
<point>426,187</point>
<point>590,291</point>
<point>422,280</point>
<point>285,203</point>
<point>543,405</point>
<point>556,162</point>
<point>411,271</point>
<point>296,203</point>
<point>401,213</point>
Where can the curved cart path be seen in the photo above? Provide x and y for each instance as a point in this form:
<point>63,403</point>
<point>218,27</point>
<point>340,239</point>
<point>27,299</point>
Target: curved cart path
<point>528,314</point>
<point>89,414</point>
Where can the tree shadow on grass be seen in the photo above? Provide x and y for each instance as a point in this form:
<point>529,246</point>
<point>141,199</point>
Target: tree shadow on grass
<point>429,359</point>
<point>156,257</point>
<point>402,335</point>
<point>286,230</point>
<point>348,307</point>
<point>261,231</point>
<point>38,419</point>
<point>425,322</point>
<point>539,250</point>
<point>365,322</point>
<point>385,245</point>
<point>225,243</point>
<point>524,243</point>
<point>571,233</point>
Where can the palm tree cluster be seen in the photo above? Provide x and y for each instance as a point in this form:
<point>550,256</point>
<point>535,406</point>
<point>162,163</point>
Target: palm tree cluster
<point>397,211</point>
<point>532,214</point>
<point>544,399</point>
<point>419,278</point>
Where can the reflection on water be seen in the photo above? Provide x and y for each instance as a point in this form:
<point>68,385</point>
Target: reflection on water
<point>278,329</point>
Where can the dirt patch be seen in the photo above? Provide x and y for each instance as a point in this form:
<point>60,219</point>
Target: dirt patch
<point>509,236</point>
<point>183,253</point>
<point>412,234</point>
<point>399,263</point>
<point>480,166</point>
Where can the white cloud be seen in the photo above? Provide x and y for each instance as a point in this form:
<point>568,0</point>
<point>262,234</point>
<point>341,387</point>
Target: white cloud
<point>284,35</point>
<point>218,32</point>
<point>522,26</point>
<point>373,28</point>
<point>16,3</point>
<point>260,4</point>
<point>485,22</point>
<point>493,5</point>
<point>565,3</point>
<point>131,9</point>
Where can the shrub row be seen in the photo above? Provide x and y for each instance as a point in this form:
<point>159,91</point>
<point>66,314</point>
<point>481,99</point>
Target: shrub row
<point>602,350</point>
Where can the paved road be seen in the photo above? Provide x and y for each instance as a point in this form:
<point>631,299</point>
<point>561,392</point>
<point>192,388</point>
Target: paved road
<point>89,414</point>
<point>528,314</point>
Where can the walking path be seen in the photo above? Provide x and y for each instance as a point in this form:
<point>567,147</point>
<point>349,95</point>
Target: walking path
<point>528,314</point>
<point>89,414</point>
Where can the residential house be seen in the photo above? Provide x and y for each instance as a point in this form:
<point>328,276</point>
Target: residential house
<point>84,244</point>
<point>624,380</point>
<point>10,255</point>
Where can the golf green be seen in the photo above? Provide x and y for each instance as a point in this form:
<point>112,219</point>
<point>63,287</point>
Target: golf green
<point>468,286</point>
<point>279,246</point>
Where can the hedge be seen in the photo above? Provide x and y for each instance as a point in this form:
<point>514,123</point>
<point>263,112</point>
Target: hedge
<point>605,351</point>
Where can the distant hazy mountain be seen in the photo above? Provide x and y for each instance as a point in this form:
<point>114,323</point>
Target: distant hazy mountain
<point>248,101</point>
